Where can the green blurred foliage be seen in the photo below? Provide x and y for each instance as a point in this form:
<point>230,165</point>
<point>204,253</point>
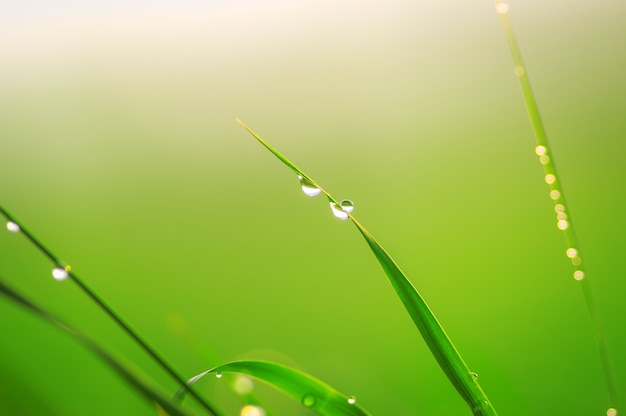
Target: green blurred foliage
<point>120,150</point>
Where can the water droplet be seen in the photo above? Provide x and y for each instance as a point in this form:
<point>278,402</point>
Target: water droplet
<point>59,273</point>
<point>351,399</point>
<point>250,410</point>
<point>13,227</point>
<point>502,8</point>
<point>243,384</point>
<point>342,209</point>
<point>579,275</point>
<point>562,225</point>
<point>544,159</point>
<point>347,205</point>
<point>540,150</point>
<point>611,412</point>
<point>559,208</point>
<point>577,260</point>
<point>475,375</point>
<point>308,400</point>
<point>519,70</point>
<point>550,178</point>
<point>308,188</point>
<point>561,216</point>
<point>218,375</point>
<point>571,253</point>
<point>555,194</point>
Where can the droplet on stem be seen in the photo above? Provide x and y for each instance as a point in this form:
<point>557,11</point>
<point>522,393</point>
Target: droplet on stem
<point>571,253</point>
<point>342,209</point>
<point>13,227</point>
<point>502,8</point>
<point>351,399</point>
<point>579,275</point>
<point>59,273</point>
<point>475,375</point>
<point>307,187</point>
<point>611,412</point>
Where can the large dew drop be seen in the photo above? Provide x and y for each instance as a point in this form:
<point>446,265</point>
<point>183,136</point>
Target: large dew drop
<point>13,227</point>
<point>59,273</point>
<point>308,188</point>
<point>342,209</point>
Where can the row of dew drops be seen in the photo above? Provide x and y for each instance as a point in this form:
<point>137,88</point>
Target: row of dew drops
<point>243,385</point>
<point>340,210</point>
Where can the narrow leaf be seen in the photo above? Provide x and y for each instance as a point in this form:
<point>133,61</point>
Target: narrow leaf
<point>311,392</point>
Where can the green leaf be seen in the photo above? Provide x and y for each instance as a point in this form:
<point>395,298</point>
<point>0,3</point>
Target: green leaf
<point>308,390</point>
<point>440,345</point>
<point>129,376</point>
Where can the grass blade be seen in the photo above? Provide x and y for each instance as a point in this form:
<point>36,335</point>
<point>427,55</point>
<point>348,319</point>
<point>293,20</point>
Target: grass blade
<point>311,392</point>
<point>437,340</point>
<point>129,376</point>
<point>564,220</point>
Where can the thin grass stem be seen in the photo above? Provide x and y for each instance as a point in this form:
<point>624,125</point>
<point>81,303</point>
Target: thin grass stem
<point>108,310</point>
<point>561,208</point>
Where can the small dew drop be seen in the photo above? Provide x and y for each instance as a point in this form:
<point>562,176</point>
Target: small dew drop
<point>351,399</point>
<point>308,188</point>
<point>571,253</point>
<point>347,205</point>
<point>308,400</point>
<point>611,412</point>
<point>250,410</point>
<point>562,225</point>
<point>544,160</point>
<point>577,260</point>
<point>579,275</point>
<point>59,273</point>
<point>218,375</point>
<point>475,375</point>
<point>540,150</point>
<point>338,211</point>
<point>561,216</point>
<point>555,194</point>
<point>559,208</point>
<point>13,227</point>
<point>519,70</point>
<point>502,8</point>
<point>550,178</point>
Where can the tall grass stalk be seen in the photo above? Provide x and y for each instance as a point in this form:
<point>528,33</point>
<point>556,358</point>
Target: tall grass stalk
<point>561,208</point>
<point>63,271</point>
<point>446,354</point>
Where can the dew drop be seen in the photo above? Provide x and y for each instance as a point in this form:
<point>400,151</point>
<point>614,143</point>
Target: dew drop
<point>502,8</point>
<point>576,260</point>
<point>347,205</point>
<point>308,188</point>
<point>308,400</point>
<point>218,375</point>
<point>571,253</point>
<point>562,225</point>
<point>13,227</point>
<point>559,208</point>
<point>342,209</point>
<point>579,275</point>
<point>250,410</point>
<point>611,412</point>
<point>544,159</point>
<point>519,70</point>
<point>550,178</point>
<point>561,216</point>
<point>540,150</point>
<point>59,273</point>
<point>475,375</point>
<point>351,399</point>
<point>555,194</point>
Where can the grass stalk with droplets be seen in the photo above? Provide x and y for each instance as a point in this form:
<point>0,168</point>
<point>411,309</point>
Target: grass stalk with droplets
<point>561,208</point>
<point>433,333</point>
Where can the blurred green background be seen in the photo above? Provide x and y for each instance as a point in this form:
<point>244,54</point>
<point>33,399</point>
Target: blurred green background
<point>120,150</point>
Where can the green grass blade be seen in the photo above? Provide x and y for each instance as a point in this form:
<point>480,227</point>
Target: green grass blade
<point>440,345</point>
<point>311,392</point>
<point>129,376</point>
<point>564,219</point>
